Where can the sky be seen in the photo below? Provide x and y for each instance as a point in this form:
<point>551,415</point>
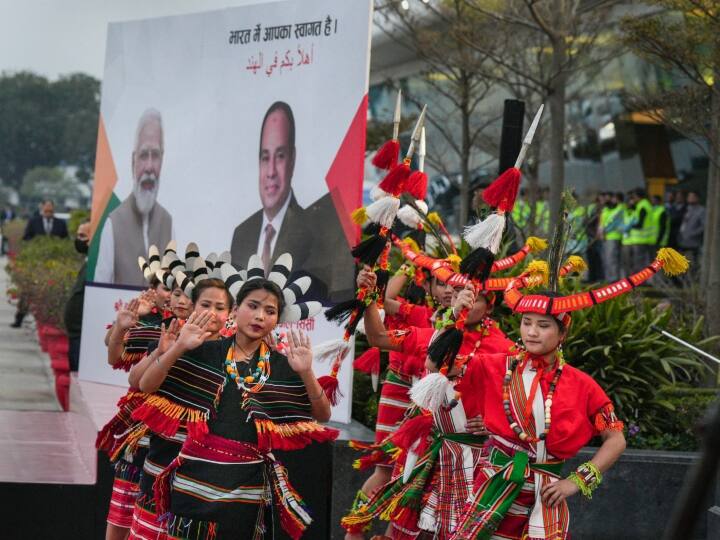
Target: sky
<point>57,37</point>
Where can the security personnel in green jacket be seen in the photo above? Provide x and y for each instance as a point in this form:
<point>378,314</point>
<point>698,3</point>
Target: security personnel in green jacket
<point>660,222</point>
<point>612,221</point>
<point>521,211</point>
<point>640,233</point>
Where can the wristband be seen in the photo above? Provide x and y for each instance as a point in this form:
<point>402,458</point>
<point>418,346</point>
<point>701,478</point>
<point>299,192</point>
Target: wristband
<point>587,477</point>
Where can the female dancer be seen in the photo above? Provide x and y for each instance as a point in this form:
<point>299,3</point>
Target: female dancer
<point>541,412</point>
<point>135,327</point>
<point>442,498</point>
<point>225,478</point>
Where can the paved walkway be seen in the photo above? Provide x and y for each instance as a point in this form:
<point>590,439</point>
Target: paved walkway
<point>26,381</point>
<point>38,442</point>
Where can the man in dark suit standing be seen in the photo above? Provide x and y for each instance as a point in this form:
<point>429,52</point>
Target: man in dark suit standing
<point>314,236</point>
<point>45,223</point>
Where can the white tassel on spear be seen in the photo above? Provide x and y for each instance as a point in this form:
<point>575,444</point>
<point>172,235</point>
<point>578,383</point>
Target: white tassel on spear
<point>501,195</point>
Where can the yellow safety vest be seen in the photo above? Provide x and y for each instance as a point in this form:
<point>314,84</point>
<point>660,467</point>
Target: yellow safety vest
<point>611,221</point>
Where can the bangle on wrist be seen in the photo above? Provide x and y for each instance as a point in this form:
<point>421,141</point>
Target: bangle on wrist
<point>587,477</point>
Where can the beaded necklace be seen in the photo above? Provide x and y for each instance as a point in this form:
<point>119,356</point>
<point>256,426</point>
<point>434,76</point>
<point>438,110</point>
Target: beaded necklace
<point>514,424</point>
<point>255,381</point>
<point>483,327</point>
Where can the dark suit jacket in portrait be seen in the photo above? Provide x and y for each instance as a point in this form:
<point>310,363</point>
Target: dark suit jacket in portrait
<point>36,227</point>
<point>314,238</point>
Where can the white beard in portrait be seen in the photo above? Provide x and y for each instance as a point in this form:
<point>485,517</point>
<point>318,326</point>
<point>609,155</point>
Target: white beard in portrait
<point>145,192</point>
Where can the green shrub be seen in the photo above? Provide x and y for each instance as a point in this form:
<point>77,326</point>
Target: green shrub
<point>44,271</point>
<point>13,231</point>
<point>680,427</point>
<point>76,218</point>
<point>613,342</point>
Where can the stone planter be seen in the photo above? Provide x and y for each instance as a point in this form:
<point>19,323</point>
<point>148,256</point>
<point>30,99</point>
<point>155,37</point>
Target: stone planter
<point>41,336</point>
<point>57,348</point>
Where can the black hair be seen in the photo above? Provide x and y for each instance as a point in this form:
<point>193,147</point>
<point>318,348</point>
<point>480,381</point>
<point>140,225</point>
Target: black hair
<point>261,285</point>
<point>285,108</point>
<point>211,283</point>
<point>640,193</point>
<point>155,281</point>
<point>620,196</point>
<point>45,201</point>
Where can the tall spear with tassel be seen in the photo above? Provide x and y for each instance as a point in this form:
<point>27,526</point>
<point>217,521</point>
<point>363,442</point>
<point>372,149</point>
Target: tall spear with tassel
<point>484,238</point>
<point>386,157</point>
<point>373,251</point>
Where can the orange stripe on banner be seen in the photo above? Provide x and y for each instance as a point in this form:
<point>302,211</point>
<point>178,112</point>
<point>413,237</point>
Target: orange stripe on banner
<point>105,177</point>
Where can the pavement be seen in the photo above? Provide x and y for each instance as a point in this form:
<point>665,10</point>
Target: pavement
<point>26,380</point>
<point>39,443</point>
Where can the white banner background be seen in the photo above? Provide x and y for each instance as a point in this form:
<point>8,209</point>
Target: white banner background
<point>212,107</point>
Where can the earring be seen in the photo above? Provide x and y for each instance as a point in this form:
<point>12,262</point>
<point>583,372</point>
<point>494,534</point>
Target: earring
<point>559,354</point>
<point>519,345</point>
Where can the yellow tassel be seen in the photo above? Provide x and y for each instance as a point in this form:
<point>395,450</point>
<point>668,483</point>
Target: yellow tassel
<point>541,269</point>
<point>454,261</point>
<point>386,514</point>
<point>536,244</point>
<point>434,218</point>
<point>673,263</point>
<point>357,464</point>
<point>359,215</point>
<point>412,244</point>
<point>578,263</point>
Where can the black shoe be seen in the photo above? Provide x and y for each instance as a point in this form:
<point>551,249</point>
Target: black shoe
<point>16,325</point>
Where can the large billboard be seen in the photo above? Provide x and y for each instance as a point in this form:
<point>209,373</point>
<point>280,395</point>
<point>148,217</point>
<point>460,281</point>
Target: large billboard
<point>241,129</point>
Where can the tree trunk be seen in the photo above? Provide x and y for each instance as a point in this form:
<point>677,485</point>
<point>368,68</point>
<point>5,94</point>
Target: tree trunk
<point>557,127</point>
<point>465,157</point>
<point>710,280</point>
<point>533,193</point>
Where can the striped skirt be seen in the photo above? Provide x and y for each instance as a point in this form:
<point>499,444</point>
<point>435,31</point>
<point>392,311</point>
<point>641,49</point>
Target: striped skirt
<point>394,403</point>
<point>145,522</point>
<point>125,492</point>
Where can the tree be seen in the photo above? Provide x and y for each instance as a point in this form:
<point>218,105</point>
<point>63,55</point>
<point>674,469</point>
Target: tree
<point>683,36</point>
<point>42,183</point>
<point>539,48</point>
<point>453,83</point>
<point>47,123</point>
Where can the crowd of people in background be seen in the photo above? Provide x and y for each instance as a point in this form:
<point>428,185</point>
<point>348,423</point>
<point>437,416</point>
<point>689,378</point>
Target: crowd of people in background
<point>618,233</point>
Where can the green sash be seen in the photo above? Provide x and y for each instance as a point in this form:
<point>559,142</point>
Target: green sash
<point>492,502</point>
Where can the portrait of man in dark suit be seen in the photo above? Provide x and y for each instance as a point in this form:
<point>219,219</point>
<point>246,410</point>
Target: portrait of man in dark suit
<point>140,221</point>
<point>313,236</point>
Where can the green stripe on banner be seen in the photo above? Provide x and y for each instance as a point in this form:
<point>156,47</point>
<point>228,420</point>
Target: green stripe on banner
<point>112,204</point>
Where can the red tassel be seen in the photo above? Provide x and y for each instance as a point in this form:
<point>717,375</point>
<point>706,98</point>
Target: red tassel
<point>387,155</point>
<point>106,436</point>
<point>414,429</point>
<point>128,360</point>
<point>372,459</point>
<point>369,361</point>
<point>417,185</point>
<point>395,181</point>
<point>501,194</point>
<point>331,388</point>
<point>197,430</point>
<point>156,420</point>
<point>406,518</point>
<point>163,485</point>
